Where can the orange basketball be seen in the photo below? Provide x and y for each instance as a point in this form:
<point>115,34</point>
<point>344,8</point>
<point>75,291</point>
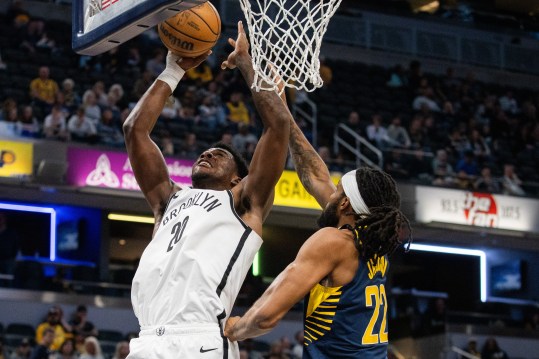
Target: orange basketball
<point>192,32</point>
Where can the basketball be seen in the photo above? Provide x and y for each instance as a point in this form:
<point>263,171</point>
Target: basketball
<point>192,32</point>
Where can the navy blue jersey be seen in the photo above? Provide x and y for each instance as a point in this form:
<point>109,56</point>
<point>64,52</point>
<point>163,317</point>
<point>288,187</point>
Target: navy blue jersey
<point>349,321</point>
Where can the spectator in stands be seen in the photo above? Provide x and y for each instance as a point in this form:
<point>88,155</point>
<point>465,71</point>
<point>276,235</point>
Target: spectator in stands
<point>107,130</point>
<point>511,182</point>
<point>480,147</point>
<point>226,138</point>
<point>435,317</point>
<point>211,115</point>
<point>444,175</point>
<point>54,321</point>
<point>111,60</point>
<point>200,75</point>
<point>100,94</point>
<point>71,97</point>
<point>491,350</point>
<point>377,133</point>
<point>396,166</point>
<point>46,342</point>
<point>156,64</point>
<point>326,73</point>
<point>10,245</point>
<point>354,122</point>
<point>67,350</point>
<point>419,166</point>
<point>55,126</point>
<point>276,351</point>
<point>141,85</point>
<point>46,42</point>
<point>426,101</point>
<point>172,109</point>
<point>397,79</point>
<point>415,132</point>
<point>486,182</point>
<point>28,125</point>
<point>22,351</point>
<point>236,110</point>
<point>297,348</point>
<point>167,145</point>
<point>80,323</point>
<point>508,103</point>
<point>43,91</point>
<point>117,92</point>
<point>91,108</point>
<point>243,139</point>
<point>92,349</point>
<point>122,350</point>
<point>468,164</point>
<point>133,59</point>
<point>7,106</point>
<point>397,135</point>
<point>471,348</point>
<point>81,128</point>
<point>190,147</point>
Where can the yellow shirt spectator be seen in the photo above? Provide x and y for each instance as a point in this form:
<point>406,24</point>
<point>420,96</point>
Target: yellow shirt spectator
<point>201,72</point>
<point>43,88</point>
<point>237,111</point>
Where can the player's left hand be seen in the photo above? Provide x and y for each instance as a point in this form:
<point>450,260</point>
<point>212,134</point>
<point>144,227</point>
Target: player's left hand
<point>229,326</point>
<point>241,48</point>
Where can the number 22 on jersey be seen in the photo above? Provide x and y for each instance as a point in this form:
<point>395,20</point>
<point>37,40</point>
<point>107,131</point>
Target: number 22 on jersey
<point>375,296</point>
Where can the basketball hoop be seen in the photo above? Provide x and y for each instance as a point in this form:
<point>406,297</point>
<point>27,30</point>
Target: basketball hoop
<point>286,36</point>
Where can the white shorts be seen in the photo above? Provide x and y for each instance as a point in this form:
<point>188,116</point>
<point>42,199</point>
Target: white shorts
<point>182,342</point>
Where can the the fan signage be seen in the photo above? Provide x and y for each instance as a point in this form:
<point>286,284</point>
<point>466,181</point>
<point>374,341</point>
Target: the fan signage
<point>476,209</point>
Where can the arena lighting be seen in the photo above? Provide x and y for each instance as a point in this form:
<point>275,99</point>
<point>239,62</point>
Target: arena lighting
<point>461,251</point>
<point>130,218</point>
<point>256,265</point>
<point>36,209</point>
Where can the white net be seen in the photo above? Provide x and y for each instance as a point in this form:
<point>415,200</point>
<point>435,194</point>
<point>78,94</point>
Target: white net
<point>286,36</point>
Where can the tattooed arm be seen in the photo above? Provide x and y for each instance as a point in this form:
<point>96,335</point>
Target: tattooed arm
<point>311,169</point>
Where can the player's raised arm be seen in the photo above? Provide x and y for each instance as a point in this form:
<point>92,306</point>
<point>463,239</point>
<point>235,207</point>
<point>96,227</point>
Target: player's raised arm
<point>146,159</point>
<point>312,171</point>
<point>269,157</point>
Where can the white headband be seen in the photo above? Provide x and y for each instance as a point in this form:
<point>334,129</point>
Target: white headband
<point>349,184</point>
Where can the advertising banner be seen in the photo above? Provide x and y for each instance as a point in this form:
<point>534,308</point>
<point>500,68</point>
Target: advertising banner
<point>16,159</point>
<point>476,209</point>
<point>95,168</point>
<point>289,192</point>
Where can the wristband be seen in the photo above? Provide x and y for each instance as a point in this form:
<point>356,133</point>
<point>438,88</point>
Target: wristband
<point>173,73</point>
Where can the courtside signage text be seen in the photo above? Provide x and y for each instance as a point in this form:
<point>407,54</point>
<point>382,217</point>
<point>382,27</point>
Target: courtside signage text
<point>16,159</point>
<point>113,170</point>
<point>476,209</point>
<point>289,192</point>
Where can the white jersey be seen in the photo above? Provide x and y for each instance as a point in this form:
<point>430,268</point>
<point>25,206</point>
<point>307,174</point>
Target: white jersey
<point>193,269</point>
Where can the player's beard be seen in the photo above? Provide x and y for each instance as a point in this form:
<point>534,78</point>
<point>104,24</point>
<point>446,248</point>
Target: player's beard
<point>329,217</point>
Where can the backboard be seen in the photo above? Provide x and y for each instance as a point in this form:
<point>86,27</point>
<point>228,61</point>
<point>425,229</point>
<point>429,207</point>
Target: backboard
<point>100,25</point>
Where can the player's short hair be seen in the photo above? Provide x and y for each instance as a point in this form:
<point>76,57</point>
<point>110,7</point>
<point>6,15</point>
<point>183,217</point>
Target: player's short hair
<point>241,163</point>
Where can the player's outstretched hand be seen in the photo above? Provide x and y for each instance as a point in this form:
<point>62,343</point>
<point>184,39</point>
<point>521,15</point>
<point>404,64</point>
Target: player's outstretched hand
<point>228,327</point>
<point>241,47</point>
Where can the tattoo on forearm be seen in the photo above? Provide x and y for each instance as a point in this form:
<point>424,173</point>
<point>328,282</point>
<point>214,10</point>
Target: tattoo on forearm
<point>307,161</point>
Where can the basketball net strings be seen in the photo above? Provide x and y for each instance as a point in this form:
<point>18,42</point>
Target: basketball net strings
<point>285,37</point>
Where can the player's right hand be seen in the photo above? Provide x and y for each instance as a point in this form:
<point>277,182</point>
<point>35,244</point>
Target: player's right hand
<point>230,323</point>
<point>187,63</point>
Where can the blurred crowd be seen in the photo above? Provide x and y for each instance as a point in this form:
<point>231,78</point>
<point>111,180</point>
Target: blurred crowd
<point>454,131</point>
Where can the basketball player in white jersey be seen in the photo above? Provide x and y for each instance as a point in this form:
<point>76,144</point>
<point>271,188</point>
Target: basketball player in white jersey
<point>205,237</point>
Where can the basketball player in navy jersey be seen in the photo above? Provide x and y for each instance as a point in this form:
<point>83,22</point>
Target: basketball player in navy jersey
<point>341,270</point>
<point>205,237</point>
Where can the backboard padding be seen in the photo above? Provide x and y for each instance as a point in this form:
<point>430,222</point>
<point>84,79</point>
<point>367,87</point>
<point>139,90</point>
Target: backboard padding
<point>113,22</point>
